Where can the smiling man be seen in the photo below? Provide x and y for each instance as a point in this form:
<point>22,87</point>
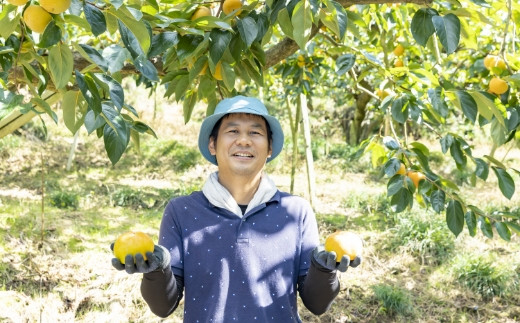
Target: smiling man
<point>240,250</point>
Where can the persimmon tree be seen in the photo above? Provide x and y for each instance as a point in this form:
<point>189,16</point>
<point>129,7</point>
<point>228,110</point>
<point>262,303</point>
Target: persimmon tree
<point>402,64</point>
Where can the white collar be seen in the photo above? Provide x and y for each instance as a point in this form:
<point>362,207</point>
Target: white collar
<point>219,196</point>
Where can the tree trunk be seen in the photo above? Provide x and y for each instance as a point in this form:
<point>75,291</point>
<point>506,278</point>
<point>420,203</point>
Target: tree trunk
<point>293,123</point>
<point>311,178</point>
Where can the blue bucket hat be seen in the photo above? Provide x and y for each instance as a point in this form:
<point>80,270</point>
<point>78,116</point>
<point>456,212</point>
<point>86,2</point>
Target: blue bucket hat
<point>239,104</point>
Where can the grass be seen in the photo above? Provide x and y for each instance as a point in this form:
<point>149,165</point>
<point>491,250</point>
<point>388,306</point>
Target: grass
<point>423,235</point>
<point>56,260</point>
<point>393,301</point>
<point>486,276</point>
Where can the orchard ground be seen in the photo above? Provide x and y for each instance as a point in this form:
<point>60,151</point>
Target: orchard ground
<point>56,260</point>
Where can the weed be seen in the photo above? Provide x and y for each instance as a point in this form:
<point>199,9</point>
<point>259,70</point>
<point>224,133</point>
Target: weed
<point>424,236</point>
<point>369,203</point>
<point>64,200</point>
<point>393,300</point>
<point>485,276</point>
<point>172,153</point>
<point>128,197</point>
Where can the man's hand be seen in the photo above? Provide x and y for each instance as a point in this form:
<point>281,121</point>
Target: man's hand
<point>157,260</point>
<point>327,260</point>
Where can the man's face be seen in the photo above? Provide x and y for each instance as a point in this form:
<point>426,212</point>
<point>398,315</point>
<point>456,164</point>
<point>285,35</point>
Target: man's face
<point>242,146</point>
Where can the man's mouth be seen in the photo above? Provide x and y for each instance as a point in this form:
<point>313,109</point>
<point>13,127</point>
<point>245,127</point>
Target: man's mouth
<point>243,155</point>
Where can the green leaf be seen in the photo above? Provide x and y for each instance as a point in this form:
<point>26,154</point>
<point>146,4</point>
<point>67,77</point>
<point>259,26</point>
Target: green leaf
<point>181,87</point>
<point>514,226</point>
<point>228,76</point>
<point>161,42</point>
<point>481,3</point>
<point>302,23</point>
<point>446,143</point>
<point>116,121</point>
<point>498,132</point>
<point>476,210</point>
<point>71,100</point>
<point>399,109</point>
<point>187,106</point>
<point>395,184</point>
<point>344,63</point>
<point>468,105</point>
<point>258,52</point>
<point>248,30</point>
<point>455,217</point>
<point>342,18</point>
<point>392,166</point>
<point>438,200</point>
<point>422,26</point>
<point>262,25</point>
<point>51,35</point>
<point>505,182</point>
<point>95,57</point>
<point>329,18</point>
<point>401,200</point>
<point>61,65</point>
<point>513,119</point>
<point>8,24</point>
<point>494,161</point>
<point>503,231</point>
<point>77,21</point>
<point>117,94</point>
<point>137,28</point>
<point>113,145</point>
<point>391,143</point>
<point>207,87</point>
<point>448,31</point>
<point>486,106</point>
<point>256,75</point>
<point>285,22</point>
<point>130,41</point>
<point>200,64</point>
<point>143,65</point>
<point>93,121</point>
<point>95,18</point>
<point>219,42</point>
<point>485,226</point>
<point>482,168</point>
<point>471,223</point>
<point>46,107</point>
<point>457,154</point>
<point>438,102</point>
<point>90,91</point>
<point>115,56</point>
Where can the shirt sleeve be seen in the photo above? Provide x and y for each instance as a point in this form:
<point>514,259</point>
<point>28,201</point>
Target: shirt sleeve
<point>310,237</point>
<point>162,291</point>
<point>318,288</point>
<point>170,237</point>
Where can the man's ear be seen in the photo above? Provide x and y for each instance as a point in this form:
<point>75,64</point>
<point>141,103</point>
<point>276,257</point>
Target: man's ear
<point>211,146</point>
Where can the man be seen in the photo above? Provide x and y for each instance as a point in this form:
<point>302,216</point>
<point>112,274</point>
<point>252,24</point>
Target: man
<point>240,250</point>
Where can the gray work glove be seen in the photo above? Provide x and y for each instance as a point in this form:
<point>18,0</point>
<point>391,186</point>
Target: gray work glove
<point>327,260</point>
<point>159,259</point>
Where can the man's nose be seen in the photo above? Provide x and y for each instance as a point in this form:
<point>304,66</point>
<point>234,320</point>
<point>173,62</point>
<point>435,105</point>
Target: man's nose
<point>243,139</point>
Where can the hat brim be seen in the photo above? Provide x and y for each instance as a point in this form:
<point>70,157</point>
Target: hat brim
<point>209,123</point>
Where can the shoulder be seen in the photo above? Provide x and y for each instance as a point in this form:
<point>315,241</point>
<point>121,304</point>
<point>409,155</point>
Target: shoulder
<point>196,198</point>
<point>294,202</point>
